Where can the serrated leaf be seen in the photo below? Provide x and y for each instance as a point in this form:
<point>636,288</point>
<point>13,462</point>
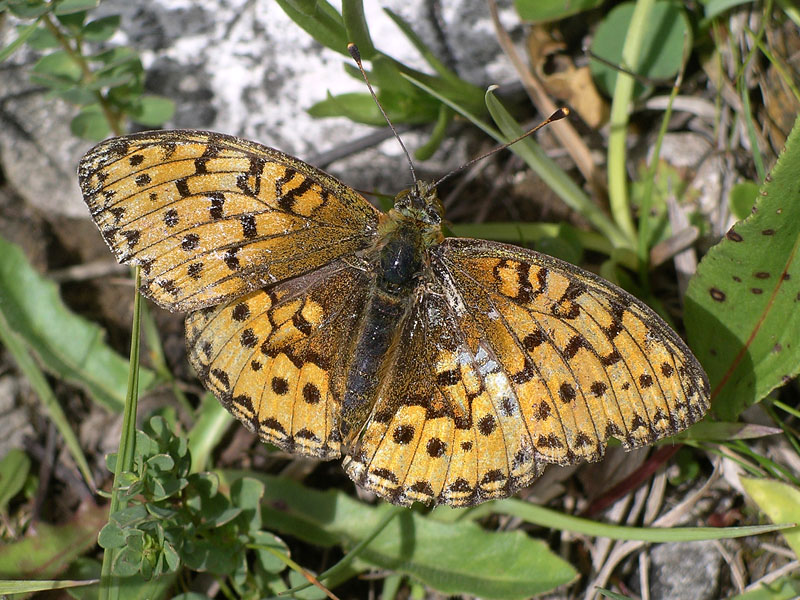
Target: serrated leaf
<point>66,344</point>
<point>477,562</point>
<point>743,305</point>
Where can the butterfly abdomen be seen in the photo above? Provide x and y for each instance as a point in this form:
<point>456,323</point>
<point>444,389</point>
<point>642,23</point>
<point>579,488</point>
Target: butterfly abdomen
<point>398,259</point>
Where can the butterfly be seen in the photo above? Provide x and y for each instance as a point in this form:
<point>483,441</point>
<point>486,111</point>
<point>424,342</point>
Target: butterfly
<point>443,370</point>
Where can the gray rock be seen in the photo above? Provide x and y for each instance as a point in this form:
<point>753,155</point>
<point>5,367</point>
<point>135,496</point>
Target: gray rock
<point>246,69</point>
<point>686,570</point>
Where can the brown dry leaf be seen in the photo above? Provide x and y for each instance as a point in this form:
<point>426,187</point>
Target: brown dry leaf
<point>563,79</point>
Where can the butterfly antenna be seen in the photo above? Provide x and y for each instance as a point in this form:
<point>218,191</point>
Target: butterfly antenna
<point>556,116</point>
<point>353,50</point>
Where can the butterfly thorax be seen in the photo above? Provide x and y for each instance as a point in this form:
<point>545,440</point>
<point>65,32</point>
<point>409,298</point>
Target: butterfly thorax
<point>398,258</point>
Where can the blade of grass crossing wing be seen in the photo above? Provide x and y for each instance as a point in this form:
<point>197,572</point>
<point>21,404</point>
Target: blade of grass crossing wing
<point>109,586</point>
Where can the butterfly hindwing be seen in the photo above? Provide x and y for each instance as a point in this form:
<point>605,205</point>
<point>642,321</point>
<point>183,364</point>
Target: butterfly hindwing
<point>271,356</point>
<point>512,359</point>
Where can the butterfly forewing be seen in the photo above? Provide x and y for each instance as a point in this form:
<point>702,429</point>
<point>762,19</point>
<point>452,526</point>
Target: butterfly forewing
<point>210,217</point>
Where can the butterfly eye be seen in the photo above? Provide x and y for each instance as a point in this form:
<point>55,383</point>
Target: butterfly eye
<point>420,203</point>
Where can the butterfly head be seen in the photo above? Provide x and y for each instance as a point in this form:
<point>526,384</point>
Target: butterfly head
<point>420,203</point>
<point>420,208</point>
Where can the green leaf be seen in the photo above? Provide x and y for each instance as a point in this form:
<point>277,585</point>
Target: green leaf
<point>438,135</point>
<point>320,20</point>
<point>267,544</point>
<point>111,79</point>
<point>24,34</point>
<point>100,30</point>
<point>41,38</point>
<point>781,502</point>
<point>742,316</point>
<point>552,10</point>
<point>28,9</point>
<point>714,8</point>
<point>55,69</point>
<point>111,536</point>
<point>548,170</point>
<point>67,7</point>
<point>128,561</point>
<point>477,562</point>
<point>355,24</point>
<point>152,110</point>
<point>360,108</point>
<point>783,588</point>
<point>14,469</point>
<point>72,21</point>
<point>38,585</point>
<point>667,35</point>
<point>79,95</point>
<point>53,548</point>
<point>427,53</point>
<point>211,421</point>
<point>66,344</point>
<point>246,494</point>
<point>546,517</point>
<point>742,198</point>
<point>90,124</point>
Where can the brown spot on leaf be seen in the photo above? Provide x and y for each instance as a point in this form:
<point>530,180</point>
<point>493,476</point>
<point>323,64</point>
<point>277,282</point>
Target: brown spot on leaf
<point>717,294</point>
<point>733,236</point>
